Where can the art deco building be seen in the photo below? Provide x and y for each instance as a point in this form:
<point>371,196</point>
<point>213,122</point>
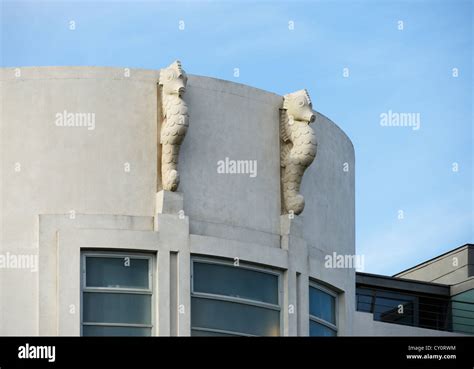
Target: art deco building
<point>151,202</point>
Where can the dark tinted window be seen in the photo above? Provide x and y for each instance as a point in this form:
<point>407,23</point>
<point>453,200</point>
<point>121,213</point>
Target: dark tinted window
<point>405,308</point>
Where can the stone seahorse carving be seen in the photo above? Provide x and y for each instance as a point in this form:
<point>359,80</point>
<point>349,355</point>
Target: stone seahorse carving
<point>298,147</point>
<point>174,124</point>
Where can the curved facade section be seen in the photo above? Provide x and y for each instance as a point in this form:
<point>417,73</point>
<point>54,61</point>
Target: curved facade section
<point>329,214</point>
<point>80,190</point>
<point>231,122</point>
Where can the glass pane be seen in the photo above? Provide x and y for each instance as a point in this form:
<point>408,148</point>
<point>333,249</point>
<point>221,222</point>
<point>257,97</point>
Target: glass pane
<point>393,307</point>
<point>316,329</point>
<point>364,299</point>
<point>199,333</point>
<point>322,305</point>
<point>463,312</point>
<point>116,308</point>
<point>96,330</point>
<point>433,313</point>
<point>116,272</point>
<point>236,282</point>
<point>234,317</point>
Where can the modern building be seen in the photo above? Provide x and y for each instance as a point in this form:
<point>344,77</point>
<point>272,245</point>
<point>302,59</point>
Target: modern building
<point>435,295</point>
<point>149,202</point>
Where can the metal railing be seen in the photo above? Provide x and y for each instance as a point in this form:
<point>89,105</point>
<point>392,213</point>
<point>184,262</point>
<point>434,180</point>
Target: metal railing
<point>414,310</point>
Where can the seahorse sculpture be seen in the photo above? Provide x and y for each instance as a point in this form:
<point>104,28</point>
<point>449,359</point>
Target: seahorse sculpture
<point>175,122</point>
<point>298,147</point>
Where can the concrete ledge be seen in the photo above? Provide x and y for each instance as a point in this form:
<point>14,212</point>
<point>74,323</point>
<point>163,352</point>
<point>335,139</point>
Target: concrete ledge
<point>168,202</point>
<point>253,253</point>
<point>235,233</point>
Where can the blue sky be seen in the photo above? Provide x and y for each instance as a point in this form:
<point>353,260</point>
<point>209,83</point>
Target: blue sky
<point>409,70</point>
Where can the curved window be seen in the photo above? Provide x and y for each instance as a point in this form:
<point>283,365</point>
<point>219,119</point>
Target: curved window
<point>322,311</point>
<point>116,294</point>
<point>230,300</point>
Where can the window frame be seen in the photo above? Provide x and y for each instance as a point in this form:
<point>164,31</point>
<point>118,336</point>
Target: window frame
<point>238,300</point>
<point>150,291</point>
<point>333,327</point>
<point>416,298</point>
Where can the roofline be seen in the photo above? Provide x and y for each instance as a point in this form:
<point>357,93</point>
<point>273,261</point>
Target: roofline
<point>466,245</point>
<point>404,284</point>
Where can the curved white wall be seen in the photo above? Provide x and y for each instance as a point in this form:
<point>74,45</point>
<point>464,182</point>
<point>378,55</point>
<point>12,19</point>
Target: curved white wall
<point>73,168</point>
<point>241,123</point>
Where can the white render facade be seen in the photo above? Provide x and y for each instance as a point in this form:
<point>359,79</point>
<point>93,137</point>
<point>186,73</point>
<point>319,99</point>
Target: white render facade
<point>69,191</point>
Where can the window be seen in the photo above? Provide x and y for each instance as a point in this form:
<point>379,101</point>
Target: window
<point>116,294</point>
<point>322,311</point>
<point>463,312</point>
<point>394,308</point>
<point>400,307</point>
<point>230,300</point>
